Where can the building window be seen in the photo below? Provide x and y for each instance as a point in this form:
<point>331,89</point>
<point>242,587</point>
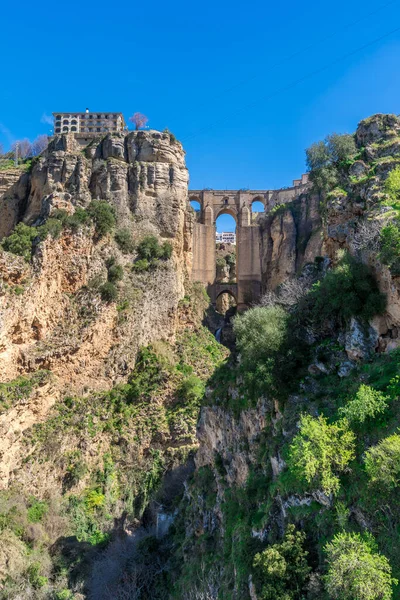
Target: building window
<point>65,128</point>
<point>58,117</point>
<point>65,122</point>
<point>73,128</point>
<point>73,122</point>
<point>98,129</point>
<point>58,130</point>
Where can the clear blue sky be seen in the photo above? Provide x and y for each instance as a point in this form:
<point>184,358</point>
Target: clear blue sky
<point>208,72</point>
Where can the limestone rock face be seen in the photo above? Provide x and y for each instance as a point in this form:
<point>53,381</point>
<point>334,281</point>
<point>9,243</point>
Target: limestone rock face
<point>290,239</point>
<point>378,127</point>
<point>14,188</point>
<point>51,312</point>
<point>220,433</point>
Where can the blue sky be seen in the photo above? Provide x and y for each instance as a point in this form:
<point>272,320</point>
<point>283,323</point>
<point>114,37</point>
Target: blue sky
<point>217,74</point>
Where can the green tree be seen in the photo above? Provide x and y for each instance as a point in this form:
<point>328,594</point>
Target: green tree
<point>366,404</point>
<point>20,241</point>
<point>103,216</point>
<point>282,570</point>
<point>356,571</point>
<point>382,462</point>
<point>319,452</point>
<point>325,160</point>
<point>260,333</point>
<point>341,146</point>
<point>317,156</point>
<point>390,246</point>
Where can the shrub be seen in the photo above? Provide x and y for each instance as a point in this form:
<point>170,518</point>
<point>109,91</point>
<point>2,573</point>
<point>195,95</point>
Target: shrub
<point>94,500</point>
<point>191,389</point>
<point>52,227</point>
<point>392,185</point>
<point>320,451</point>
<point>148,248</point>
<point>166,251</point>
<point>366,404</point>
<point>348,290</point>
<point>151,251</point>
<point>37,510</point>
<point>103,216</point>
<point>390,246</point>
<point>35,579</point>
<point>356,569</point>
<point>75,221</point>
<point>123,237</point>
<point>141,265</point>
<point>260,333</point>
<point>282,570</point>
<point>108,291</point>
<point>221,262</point>
<point>20,241</point>
<point>115,273</point>
<point>382,462</point>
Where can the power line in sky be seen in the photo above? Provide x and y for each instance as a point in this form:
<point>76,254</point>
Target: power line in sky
<point>292,84</point>
<point>302,50</point>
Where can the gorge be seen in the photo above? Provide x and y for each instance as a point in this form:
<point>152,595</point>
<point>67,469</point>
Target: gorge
<point>139,457</point>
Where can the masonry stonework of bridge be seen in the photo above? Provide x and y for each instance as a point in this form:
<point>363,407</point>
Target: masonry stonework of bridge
<point>238,204</point>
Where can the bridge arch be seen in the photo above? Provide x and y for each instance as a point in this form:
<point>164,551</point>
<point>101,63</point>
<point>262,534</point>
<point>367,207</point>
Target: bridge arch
<point>227,210</point>
<point>230,288</point>
<point>258,204</point>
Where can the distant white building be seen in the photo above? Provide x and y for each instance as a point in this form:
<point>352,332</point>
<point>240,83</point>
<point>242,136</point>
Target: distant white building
<point>225,237</point>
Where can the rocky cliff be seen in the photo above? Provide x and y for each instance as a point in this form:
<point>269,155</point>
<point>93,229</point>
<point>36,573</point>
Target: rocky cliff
<point>246,492</point>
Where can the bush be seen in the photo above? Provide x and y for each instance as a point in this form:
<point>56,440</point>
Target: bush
<point>366,404</point>
<point>141,265</point>
<point>282,570</point>
<point>151,251</point>
<point>260,333</point>
<point>392,185</point>
<point>20,241</point>
<point>356,569</point>
<point>320,451</point>
<point>75,221</point>
<point>148,248</point>
<point>35,579</point>
<point>348,290</point>
<point>382,462</point>
<point>221,262</point>
<point>37,510</point>
<point>123,237</point>
<point>115,273</point>
<point>103,216</point>
<point>390,246</point>
<point>108,291</point>
<point>52,227</point>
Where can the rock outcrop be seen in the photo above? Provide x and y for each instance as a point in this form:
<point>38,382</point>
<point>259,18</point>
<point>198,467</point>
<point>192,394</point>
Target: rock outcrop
<point>291,238</point>
<point>52,316</point>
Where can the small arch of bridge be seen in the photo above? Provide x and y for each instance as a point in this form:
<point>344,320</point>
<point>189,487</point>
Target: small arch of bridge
<point>226,288</point>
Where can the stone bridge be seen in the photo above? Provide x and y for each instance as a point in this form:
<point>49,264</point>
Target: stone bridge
<point>238,204</point>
